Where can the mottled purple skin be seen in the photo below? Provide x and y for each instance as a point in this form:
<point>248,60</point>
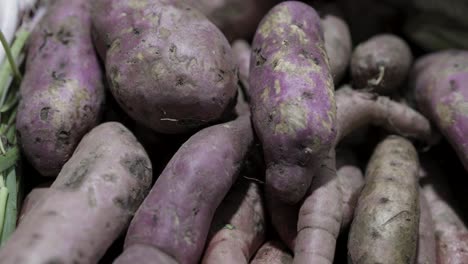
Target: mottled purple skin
<point>176,216</point>
<point>89,204</point>
<point>292,100</point>
<point>62,92</point>
<point>235,18</point>
<point>440,82</point>
<point>168,66</point>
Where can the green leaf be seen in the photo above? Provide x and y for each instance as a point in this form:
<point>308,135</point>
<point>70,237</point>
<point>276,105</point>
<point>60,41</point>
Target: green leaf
<point>11,59</point>
<point>11,209</point>
<point>3,200</point>
<point>9,159</point>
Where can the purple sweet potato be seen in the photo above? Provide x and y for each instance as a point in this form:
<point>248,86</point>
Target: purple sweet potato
<point>350,181</point>
<point>381,63</point>
<point>358,108</point>
<point>292,99</point>
<point>337,44</point>
<point>242,53</point>
<point>426,243</point>
<point>320,217</point>
<point>238,227</point>
<point>272,252</point>
<point>88,205</point>
<point>168,66</point>
<point>327,210</point>
<point>175,217</point>
<point>354,109</point>
<point>62,92</point>
<point>450,230</point>
<point>235,18</point>
<point>440,82</point>
<point>385,224</point>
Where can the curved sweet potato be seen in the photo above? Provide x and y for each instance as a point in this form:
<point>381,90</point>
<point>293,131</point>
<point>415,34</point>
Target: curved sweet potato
<point>440,82</point>
<point>320,217</point>
<point>292,99</point>
<point>176,215</point>
<point>358,108</point>
<point>450,230</point>
<point>61,98</point>
<point>238,227</point>
<point>88,205</point>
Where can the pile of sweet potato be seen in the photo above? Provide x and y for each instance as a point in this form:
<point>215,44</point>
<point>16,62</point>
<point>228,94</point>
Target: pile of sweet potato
<point>171,131</point>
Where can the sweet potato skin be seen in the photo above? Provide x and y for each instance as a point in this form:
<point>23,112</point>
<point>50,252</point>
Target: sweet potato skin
<point>88,205</point>
<point>350,180</point>
<point>426,245</point>
<point>385,224</point>
<point>242,52</point>
<point>178,224</point>
<point>238,227</point>
<point>320,217</point>
<point>337,44</point>
<point>31,200</point>
<point>440,88</point>
<point>272,252</point>
<point>61,99</point>
<point>359,108</point>
<point>450,230</point>
<point>291,91</point>
<point>168,66</point>
<point>381,63</point>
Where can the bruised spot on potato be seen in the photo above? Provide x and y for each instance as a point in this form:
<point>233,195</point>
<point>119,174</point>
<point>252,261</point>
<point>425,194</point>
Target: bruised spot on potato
<point>46,35</point>
<point>77,177</point>
<point>108,177</point>
<point>64,35</point>
<point>58,76</point>
<point>130,202</point>
<point>453,85</point>
<point>63,137</point>
<point>45,113</point>
<point>54,260</point>
<point>259,58</point>
<point>138,166</point>
<point>384,200</point>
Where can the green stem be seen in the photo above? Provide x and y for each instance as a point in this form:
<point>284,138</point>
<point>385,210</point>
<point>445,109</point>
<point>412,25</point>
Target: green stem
<point>5,69</point>
<point>11,208</point>
<point>3,200</point>
<point>10,58</point>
